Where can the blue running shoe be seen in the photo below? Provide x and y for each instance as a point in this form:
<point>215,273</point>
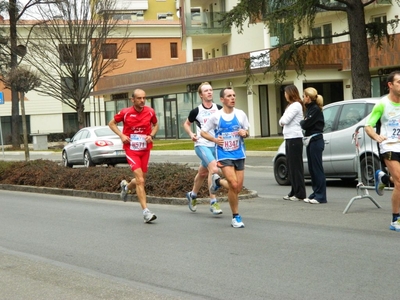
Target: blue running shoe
<point>379,185</point>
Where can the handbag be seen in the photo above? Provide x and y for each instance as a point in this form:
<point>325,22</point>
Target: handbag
<point>307,139</point>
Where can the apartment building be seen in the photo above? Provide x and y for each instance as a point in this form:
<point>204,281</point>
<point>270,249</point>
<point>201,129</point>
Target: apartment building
<point>153,40</point>
<point>215,54</point>
<point>174,45</point>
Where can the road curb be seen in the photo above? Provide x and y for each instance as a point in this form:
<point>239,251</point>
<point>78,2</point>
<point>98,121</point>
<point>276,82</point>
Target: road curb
<point>113,196</point>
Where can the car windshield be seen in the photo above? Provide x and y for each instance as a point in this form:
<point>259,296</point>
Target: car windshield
<point>106,131</point>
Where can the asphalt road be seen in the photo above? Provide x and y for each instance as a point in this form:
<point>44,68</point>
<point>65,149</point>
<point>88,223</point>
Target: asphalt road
<point>79,248</point>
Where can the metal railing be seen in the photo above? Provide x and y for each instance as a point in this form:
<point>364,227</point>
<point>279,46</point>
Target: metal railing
<point>367,160</point>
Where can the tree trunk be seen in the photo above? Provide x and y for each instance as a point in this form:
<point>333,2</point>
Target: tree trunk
<point>24,127</point>
<point>80,109</point>
<point>359,51</point>
<point>15,139</point>
<point>16,143</point>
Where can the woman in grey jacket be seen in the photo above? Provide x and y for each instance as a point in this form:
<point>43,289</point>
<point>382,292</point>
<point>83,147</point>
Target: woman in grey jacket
<point>293,136</point>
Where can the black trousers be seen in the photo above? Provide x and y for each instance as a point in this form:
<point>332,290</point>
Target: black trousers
<point>294,158</point>
<point>318,180</point>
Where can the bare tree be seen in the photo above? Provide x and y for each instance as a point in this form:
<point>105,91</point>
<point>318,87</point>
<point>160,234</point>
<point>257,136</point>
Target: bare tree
<point>10,52</point>
<point>288,16</point>
<point>73,45</point>
<point>22,80</point>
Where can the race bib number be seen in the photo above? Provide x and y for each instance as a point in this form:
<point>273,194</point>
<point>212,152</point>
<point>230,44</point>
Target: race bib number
<point>231,141</point>
<point>393,127</point>
<point>138,142</point>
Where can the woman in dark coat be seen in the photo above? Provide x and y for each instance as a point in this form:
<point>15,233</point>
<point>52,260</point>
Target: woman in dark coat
<point>313,125</point>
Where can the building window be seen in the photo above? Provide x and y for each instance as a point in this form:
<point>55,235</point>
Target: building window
<point>70,89</point>
<point>109,51</point>
<point>174,50</point>
<point>119,96</point>
<point>224,49</point>
<point>379,19</point>
<point>71,54</point>
<point>281,34</point>
<point>70,123</point>
<point>165,16</point>
<point>143,50</point>
<point>325,32</point>
<point>197,54</point>
<point>123,16</point>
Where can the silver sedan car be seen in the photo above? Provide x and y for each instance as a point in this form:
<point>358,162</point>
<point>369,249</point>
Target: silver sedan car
<point>340,159</point>
<point>92,146</point>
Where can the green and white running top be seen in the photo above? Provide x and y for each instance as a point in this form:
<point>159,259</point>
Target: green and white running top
<point>389,114</point>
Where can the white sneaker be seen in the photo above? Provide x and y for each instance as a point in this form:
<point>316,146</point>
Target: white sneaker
<point>215,208</point>
<point>192,202</point>
<point>124,190</point>
<point>287,197</point>
<point>294,198</point>
<point>395,225</point>
<point>307,200</point>
<point>214,186</point>
<point>237,222</point>
<point>313,201</point>
<point>379,185</point>
<point>148,216</point>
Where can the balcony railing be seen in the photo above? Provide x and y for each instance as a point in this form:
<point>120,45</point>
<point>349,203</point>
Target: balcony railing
<point>331,56</point>
<point>203,23</point>
<point>232,64</point>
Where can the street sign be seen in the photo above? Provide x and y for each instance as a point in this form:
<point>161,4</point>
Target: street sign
<point>1,98</point>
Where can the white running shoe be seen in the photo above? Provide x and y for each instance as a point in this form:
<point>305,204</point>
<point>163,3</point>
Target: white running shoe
<point>148,216</point>
<point>124,190</point>
<point>237,222</point>
<point>192,201</point>
<point>379,185</point>
<point>287,197</point>
<point>214,186</point>
<point>215,208</point>
<point>395,225</point>
<point>307,200</point>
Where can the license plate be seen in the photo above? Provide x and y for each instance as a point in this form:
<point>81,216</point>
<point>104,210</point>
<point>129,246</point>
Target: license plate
<point>120,152</point>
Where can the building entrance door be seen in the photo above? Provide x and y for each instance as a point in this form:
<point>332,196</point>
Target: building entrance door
<point>170,113</point>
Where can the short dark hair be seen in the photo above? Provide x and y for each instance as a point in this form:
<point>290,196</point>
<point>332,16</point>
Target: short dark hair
<point>222,92</point>
<point>390,77</point>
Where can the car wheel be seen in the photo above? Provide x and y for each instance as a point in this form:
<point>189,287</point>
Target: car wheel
<point>347,180</point>
<point>65,160</point>
<point>88,162</point>
<point>281,171</point>
<point>367,164</point>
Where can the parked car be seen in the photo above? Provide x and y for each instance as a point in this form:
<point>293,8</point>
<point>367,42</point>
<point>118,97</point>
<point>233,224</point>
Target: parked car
<point>92,146</point>
<point>339,158</point>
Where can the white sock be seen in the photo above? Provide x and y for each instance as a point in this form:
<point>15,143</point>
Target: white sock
<point>145,210</point>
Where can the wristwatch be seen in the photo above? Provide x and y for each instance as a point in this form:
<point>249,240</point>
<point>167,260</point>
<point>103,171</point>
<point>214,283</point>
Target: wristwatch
<point>152,136</point>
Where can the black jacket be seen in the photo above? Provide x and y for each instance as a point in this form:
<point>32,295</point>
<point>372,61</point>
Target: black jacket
<point>314,119</point>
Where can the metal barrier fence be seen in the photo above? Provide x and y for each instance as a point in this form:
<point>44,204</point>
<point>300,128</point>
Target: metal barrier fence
<point>367,162</point>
